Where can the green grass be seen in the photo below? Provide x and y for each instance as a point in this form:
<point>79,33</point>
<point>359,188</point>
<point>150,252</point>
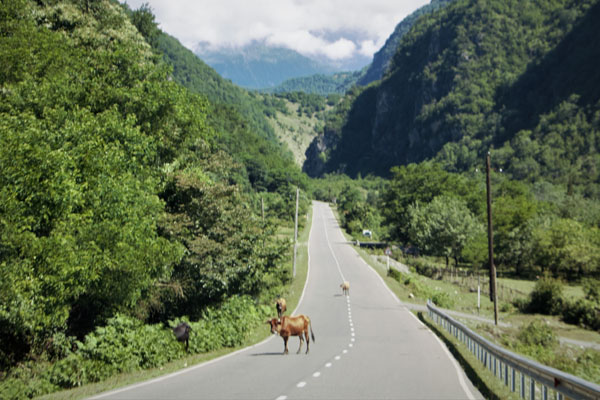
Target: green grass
<point>257,335</point>
<point>295,132</point>
<point>525,286</point>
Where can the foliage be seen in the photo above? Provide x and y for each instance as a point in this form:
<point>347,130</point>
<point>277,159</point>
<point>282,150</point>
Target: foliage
<point>511,77</point>
<point>546,297</point>
<point>443,227</point>
<point>319,84</point>
<point>537,333</point>
<point>422,183</point>
<point>125,344</point>
<point>116,195</point>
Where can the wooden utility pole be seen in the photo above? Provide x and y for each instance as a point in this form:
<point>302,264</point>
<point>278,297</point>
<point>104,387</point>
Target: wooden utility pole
<point>493,294</point>
<point>295,233</point>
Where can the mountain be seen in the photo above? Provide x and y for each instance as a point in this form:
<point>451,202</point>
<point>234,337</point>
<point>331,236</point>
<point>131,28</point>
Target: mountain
<point>321,84</point>
<point>514,76</point>
<point>381,59</point>
<point>258,66</point>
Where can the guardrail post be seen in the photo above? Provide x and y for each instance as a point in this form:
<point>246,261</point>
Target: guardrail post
<point>544,392</point>
<point>506,374</point>
<point>512,384</point>
<point>522,385</point>
<point>531,388</point>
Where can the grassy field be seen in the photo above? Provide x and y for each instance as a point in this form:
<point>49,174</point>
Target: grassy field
<point>259,334</point>
<point>295,132</point>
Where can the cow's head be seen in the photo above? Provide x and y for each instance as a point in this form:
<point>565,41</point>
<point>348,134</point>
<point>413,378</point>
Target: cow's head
<point>275,325</point>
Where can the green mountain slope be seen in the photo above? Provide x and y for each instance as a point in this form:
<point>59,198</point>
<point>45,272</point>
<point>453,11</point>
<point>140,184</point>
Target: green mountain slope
<point>382,59</point>
<point>456,87</point>
<point>239,116</point>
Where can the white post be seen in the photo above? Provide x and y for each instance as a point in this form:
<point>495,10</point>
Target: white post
<point>295,233</point>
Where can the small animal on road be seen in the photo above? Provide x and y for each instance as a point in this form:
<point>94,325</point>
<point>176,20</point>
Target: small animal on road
<point>345,287</point>
<point>281,307</point>
<point>182,333</point>
<point>292,326</point>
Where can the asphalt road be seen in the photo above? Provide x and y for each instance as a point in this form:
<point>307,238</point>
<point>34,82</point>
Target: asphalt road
<point>368,345</point>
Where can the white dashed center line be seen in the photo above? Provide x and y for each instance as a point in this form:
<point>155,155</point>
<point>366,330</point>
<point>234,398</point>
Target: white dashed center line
<point>301,384</point>
<point>317,374</point>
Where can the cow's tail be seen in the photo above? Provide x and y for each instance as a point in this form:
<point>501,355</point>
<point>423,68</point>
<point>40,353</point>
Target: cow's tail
<point>312,335</point>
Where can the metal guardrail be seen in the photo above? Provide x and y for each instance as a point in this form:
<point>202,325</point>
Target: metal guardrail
<point>531,379</point>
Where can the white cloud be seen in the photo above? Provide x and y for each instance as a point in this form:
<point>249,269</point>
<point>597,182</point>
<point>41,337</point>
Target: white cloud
<point>334,28</point>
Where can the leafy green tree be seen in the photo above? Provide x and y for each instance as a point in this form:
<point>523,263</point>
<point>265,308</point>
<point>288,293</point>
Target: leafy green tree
<point>443,227</point>
<point>422,183</point>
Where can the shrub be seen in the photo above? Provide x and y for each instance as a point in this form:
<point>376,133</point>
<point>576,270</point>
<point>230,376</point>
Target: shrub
<point>546,297</point>
<point>537,333</point>
<point>591,288</point>
<point>582,312</point>
<point>442,299</point>
<point>395,274</point>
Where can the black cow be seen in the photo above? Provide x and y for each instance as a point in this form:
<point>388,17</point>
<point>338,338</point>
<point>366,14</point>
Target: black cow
<point>182,333</point>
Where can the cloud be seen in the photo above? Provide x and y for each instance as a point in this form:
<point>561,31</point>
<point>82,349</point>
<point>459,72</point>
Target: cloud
<point>336,29</point>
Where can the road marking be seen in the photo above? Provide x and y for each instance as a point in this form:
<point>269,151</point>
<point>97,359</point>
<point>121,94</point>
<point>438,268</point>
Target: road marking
<point>345,351</point>
<point>328,365</point>
<point>337,357</point>
<point>461,380</point>
<point>331,249</point>
<point>301,384</point>
<point>281,398</point>
<point>350,345</point>
<point>317,374</point>
<point>352,340</point>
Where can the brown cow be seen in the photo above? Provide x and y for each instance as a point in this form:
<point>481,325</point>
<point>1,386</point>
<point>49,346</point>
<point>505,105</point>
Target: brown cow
<point>292,326</point>
<point>281,307</point>
<point>345,287</point>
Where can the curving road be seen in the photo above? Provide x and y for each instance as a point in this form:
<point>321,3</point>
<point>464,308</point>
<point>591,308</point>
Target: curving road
<point>368,345</point>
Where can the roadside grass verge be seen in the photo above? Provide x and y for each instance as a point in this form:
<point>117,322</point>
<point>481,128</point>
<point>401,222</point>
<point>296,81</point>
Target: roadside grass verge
<point>256,335</point>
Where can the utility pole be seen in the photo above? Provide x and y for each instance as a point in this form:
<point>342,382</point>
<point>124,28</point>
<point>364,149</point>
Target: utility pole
<point>295,233</point>
<point>493,294</point>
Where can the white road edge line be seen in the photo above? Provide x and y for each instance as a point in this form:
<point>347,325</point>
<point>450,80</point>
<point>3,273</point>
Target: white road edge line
<point>198,366</point>
<point>461,380</point>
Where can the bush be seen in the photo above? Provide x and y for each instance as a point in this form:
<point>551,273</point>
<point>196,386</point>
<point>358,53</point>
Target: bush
<point>395,274</point>
<point>125,344</point>
<point>442,299</point>
<point>537,333</point>
<point>546,297</point>
<point>591,288</point>
<point>583,313</point>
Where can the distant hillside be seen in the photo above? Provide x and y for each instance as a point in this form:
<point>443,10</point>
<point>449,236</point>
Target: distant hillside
<point>381,59</point>
<point>324,85</point>
<point>520,77</point>
<point>258,66</point>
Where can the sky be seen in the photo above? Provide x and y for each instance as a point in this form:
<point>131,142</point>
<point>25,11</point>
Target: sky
<point>335,29</point>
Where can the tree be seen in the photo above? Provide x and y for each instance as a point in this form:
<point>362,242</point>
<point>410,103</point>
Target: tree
<point>443,227</point>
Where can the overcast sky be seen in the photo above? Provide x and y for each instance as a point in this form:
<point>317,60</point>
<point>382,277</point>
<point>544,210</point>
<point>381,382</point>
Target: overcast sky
<point>337,29</point>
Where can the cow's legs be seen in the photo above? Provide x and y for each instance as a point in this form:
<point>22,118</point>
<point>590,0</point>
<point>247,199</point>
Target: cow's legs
<point>300,347</point>
<point>307,341</point>
<point>285,347</point>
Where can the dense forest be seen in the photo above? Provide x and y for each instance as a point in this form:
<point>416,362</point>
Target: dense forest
<point>124,196</point>
<point>517,78</point>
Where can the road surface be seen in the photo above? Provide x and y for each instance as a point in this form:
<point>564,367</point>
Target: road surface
<point>368,345</point>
